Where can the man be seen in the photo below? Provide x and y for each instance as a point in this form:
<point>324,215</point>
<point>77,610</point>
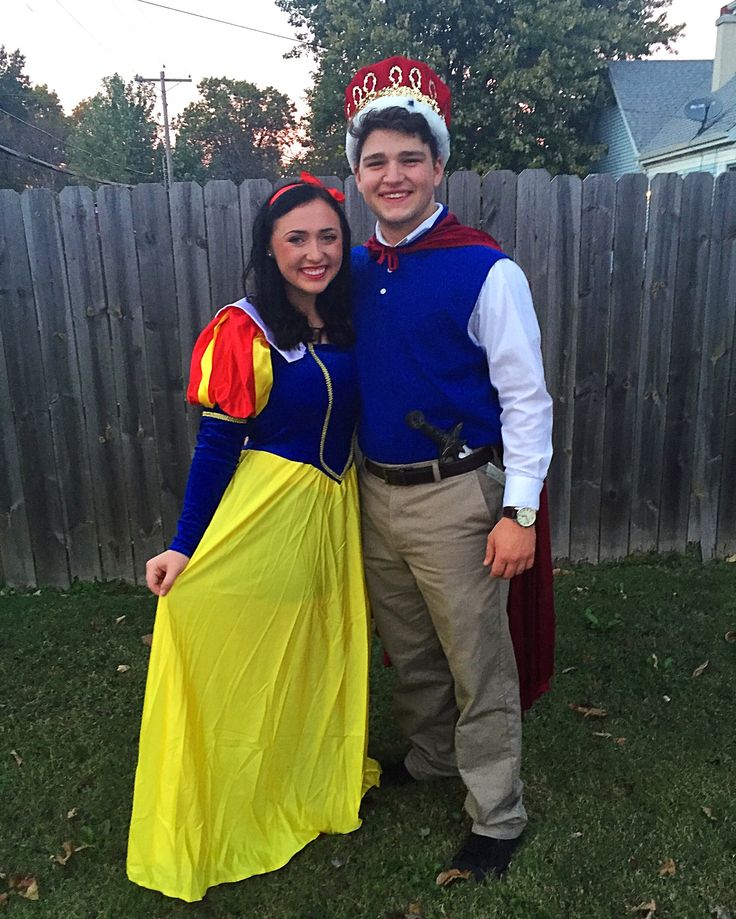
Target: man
<point>446,336</point>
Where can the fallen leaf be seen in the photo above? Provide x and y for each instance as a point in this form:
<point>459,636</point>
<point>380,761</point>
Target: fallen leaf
<point>649,907</point>
<point>655,661</point>
<point>413,910</point>
<point>71,813</point>
<point>708,811</point>
<point>667,698</point>
<point>337,862</point>
<point>667,869</point>
<point>424,832</point>
<point>24,885</point>
<point>444,878</point>
<point>698,670</point>
<point>731,558</point>
<point>621,741</point>
<point>569,669</point>
<point>588,711</point>
<point>37,593</point>
<point>18,759</point>
<point>560,572</point>
<point>147,639</point>
<point>119,619</point>
<point>601,734</point>
<point>3,899</point>
<point>575,835</point>
<point>69,849</point>
<point>730,635</point>
<point>123,668</point>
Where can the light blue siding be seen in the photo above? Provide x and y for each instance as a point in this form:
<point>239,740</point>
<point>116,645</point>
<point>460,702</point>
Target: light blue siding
<point>621,156</point>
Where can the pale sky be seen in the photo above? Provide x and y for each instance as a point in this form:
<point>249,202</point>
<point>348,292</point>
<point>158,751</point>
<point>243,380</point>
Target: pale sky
<point>71,44</point>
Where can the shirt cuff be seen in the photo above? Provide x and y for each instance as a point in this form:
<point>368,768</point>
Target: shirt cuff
<point>522,491</point>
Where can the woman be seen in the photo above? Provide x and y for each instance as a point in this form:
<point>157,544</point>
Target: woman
<point>254,724</point>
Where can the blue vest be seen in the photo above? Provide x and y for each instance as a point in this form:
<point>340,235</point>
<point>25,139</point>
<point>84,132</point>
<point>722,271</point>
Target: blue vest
<point>414,351</point>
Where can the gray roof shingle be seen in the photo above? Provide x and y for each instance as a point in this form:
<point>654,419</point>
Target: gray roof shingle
<point>652,95</point>
<point>679,131</point>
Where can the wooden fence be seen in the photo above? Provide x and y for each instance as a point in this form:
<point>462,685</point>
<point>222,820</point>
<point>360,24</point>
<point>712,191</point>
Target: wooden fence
<point>102,295</point>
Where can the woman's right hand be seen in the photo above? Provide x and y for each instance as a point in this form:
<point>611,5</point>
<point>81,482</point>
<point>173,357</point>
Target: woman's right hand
<point>162,570</point>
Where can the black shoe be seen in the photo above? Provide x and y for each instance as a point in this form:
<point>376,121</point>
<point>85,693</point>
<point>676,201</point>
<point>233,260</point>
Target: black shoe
<point>395,774</point>
<point>479,857</point>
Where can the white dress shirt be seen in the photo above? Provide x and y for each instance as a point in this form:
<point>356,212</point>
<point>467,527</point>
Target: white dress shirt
<point>503,323</point>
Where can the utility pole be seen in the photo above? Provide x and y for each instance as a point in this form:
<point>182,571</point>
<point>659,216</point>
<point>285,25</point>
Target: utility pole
<point>162,80</point>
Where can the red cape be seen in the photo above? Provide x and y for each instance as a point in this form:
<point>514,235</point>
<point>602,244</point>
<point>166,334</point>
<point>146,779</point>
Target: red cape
<point>530,604</point>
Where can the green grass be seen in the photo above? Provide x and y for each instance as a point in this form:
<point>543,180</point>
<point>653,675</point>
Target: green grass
<point>605,812</point>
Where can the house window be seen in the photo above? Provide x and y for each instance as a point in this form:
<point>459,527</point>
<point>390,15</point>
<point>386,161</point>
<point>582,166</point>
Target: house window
<point>731,167</point>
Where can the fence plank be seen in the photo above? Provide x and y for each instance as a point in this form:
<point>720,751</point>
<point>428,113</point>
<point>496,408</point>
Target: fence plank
<point>130,370</point>
<point>599,204</point>
<point>92,334</point>
<point>685,357</point>
<point>624,336</point>
<point>28,397</point>
<point>657,305</point>
<point>498,208</point>
<point>192,276</point>
<point>253,192</point>
<point>558,345</point>
<point>153,237</point>
<point>222,215</point>
<point>533,199</point>
<point>360,217</point>
<point>463,192</point>
<point>713,406</point>
<point>16,554</point>
<point>726,536</point>
<point>53,311</point>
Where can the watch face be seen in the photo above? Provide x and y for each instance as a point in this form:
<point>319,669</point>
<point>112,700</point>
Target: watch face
<point>525,516</point>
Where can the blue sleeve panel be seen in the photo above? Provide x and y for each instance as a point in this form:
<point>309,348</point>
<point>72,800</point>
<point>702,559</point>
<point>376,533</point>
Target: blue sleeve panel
<point>219,444</point>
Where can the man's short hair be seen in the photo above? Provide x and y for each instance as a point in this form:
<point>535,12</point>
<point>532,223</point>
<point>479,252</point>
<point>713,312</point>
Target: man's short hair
<point>393,118</point>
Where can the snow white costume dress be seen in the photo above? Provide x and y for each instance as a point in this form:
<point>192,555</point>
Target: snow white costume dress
<point>254,730</point>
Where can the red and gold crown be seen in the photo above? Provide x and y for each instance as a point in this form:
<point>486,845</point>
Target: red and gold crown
<point>399,81</point>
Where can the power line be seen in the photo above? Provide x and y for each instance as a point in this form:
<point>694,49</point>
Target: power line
<point>63,142</point>
<point>83,26</point>
<point>29,125</point>
<point>224,22</point>
<point>29,158</point>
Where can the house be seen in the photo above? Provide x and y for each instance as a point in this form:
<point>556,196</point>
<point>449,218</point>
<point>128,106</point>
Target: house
<point>673,116</point>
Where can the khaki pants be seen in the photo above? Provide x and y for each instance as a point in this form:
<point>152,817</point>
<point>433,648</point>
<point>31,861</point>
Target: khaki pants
<point>443,621</point>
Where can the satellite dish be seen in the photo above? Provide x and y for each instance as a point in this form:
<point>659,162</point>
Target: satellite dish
<point>703,109</point>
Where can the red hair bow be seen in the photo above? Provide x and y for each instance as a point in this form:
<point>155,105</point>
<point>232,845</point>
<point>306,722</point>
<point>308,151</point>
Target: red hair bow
<point>305,178</point>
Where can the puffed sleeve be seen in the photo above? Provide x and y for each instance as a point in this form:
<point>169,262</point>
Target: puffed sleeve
<point>231,365</point>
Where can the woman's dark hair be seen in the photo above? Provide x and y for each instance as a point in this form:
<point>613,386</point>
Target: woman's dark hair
<point>393,118</point>
<point>288,325</point>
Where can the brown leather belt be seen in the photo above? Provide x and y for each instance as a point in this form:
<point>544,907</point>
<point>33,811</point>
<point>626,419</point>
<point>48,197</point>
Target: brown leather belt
<point>434,471</point>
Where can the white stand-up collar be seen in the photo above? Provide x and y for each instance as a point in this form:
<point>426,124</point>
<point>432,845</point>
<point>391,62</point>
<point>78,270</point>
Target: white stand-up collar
<point>417,231</point>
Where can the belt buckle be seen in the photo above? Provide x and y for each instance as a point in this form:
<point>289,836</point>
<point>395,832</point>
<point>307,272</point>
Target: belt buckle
<point>399,475</point>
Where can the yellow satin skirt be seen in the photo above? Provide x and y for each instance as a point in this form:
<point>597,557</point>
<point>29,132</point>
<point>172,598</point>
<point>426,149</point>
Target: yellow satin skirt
<point>254,730</point>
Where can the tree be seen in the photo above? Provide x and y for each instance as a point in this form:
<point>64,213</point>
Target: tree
<point>115,135</point>
<point>526,76</point>
<point>31,121</point>
<point>234,131</point>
